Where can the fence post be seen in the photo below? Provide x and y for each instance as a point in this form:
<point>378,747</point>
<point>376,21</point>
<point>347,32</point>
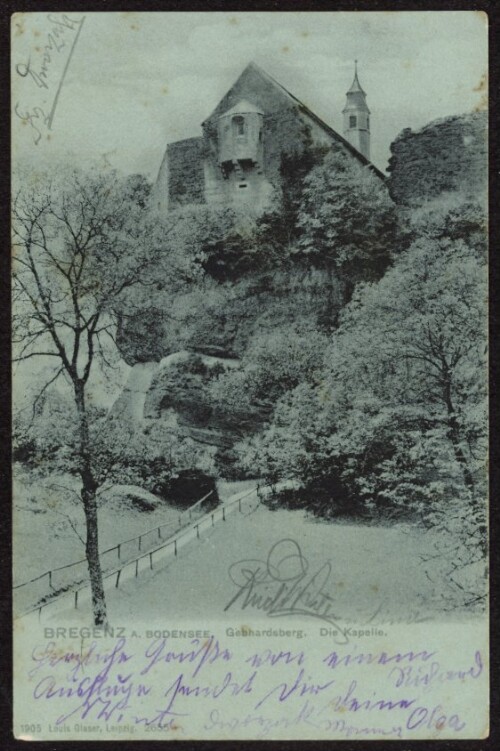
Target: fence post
<point>139,540</point>
<point>239,503</point>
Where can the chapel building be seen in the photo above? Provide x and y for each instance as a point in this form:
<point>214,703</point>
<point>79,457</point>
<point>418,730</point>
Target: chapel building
<point>237,159</point>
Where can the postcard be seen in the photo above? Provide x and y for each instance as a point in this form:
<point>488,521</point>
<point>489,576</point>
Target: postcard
<point>250,340</point>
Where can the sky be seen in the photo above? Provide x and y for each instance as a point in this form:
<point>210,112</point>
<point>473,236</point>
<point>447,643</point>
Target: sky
<point>126,84</point>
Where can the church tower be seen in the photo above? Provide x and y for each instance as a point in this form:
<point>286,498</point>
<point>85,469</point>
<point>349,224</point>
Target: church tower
<point>357,117</point>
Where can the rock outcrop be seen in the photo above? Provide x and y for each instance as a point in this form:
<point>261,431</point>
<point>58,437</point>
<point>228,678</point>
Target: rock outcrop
<point>222,321</point>
<point>446,155</point>
<point>173,365</point>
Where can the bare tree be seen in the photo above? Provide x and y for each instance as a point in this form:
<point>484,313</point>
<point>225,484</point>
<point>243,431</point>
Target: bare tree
<point>80,243</point>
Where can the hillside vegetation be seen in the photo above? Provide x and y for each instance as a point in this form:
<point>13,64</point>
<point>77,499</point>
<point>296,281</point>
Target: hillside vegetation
<point>338,341</point>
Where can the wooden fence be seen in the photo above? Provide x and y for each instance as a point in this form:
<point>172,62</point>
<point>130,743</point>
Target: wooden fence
<point>170,545</point>
<point>59,579</point>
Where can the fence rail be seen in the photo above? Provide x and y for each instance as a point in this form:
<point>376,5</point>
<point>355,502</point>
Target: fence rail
<point>172,542</point>
<point>122,551</point>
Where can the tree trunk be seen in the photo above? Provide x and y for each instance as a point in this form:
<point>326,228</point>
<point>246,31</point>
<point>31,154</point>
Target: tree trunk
<point>454,432</point>
<point>89,487</point>
<point>459,454</point>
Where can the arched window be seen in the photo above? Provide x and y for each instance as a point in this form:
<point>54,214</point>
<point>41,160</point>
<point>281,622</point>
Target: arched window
<point>352,121</point>
<point>239,125</point>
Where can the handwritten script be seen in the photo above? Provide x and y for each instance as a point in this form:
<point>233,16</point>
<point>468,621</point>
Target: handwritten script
<point>283,585</point>
<point>172,687</point>
<point>45,69</point>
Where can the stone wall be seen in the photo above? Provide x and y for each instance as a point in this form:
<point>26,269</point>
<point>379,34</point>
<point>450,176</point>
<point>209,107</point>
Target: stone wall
<point>243,187</point>
<point>185,172</point>
<point>446,155</point>
<point>284,132</point>
<point>190,172</point>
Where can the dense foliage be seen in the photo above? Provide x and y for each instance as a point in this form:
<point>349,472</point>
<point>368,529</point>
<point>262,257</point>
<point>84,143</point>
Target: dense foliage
<point>398,415</point>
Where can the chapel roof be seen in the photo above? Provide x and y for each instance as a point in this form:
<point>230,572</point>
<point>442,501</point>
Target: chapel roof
<point>252,69</point>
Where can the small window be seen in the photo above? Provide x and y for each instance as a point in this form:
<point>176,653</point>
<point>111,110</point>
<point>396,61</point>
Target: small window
<point>367,122</point>
<point>352,121</point>
<point>242,185</point>
<point>239,125</point>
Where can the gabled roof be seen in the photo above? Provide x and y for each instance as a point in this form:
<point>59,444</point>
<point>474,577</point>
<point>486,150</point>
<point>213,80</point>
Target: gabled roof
<point>243,88</point>
<point>254,72</point>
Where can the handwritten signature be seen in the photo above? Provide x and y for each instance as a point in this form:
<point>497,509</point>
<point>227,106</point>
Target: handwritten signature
<point>282,585</point>
<point>63,36</point>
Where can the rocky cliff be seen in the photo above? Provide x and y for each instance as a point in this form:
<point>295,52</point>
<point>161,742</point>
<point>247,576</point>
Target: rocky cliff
<point>175,359</point>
